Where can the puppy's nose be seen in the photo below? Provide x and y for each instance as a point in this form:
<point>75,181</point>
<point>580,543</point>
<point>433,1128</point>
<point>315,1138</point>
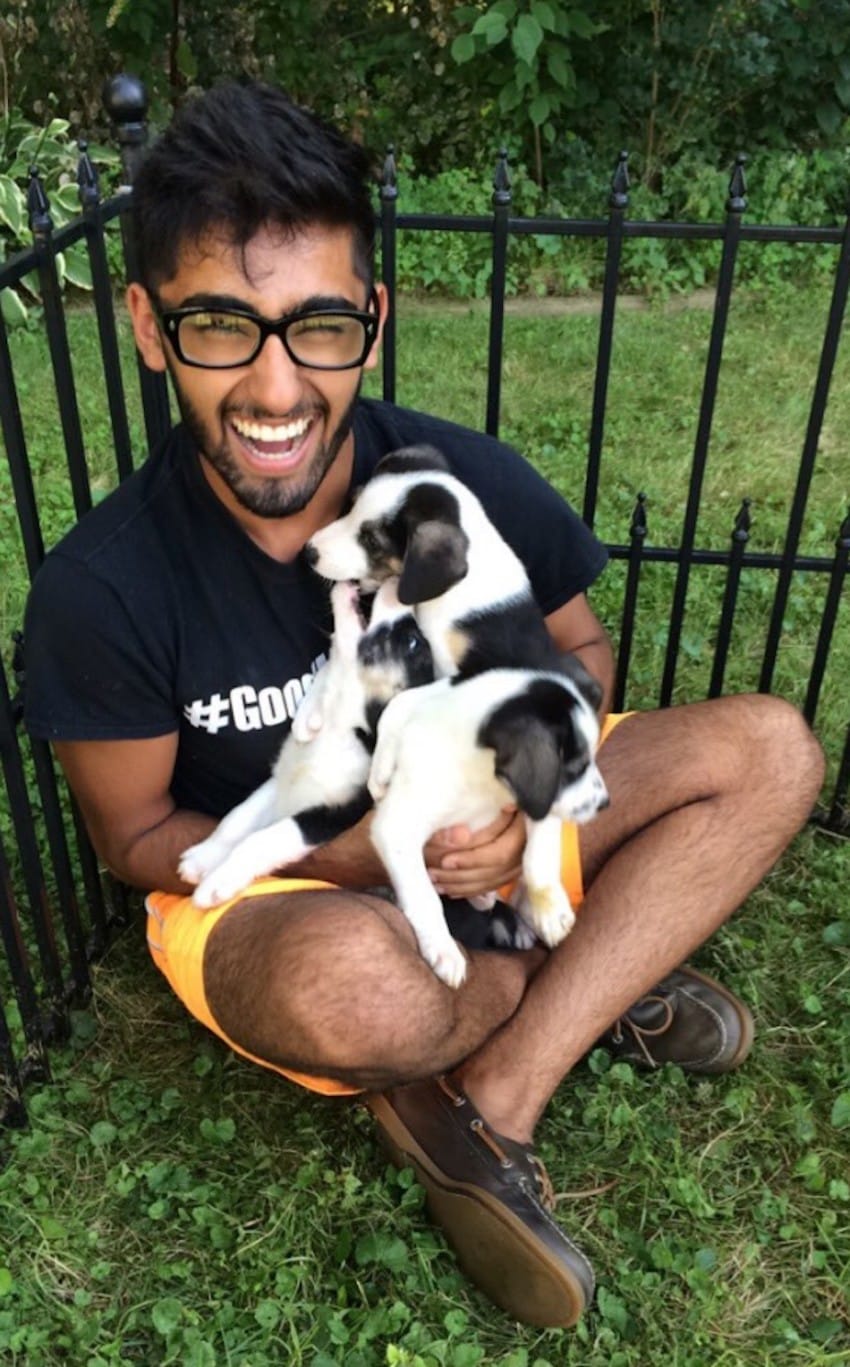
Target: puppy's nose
<point>603,803</point>
<point>311,555</point>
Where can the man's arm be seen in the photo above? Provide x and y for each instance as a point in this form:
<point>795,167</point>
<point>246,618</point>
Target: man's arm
<point>576,628</point>
<point>123,791</point>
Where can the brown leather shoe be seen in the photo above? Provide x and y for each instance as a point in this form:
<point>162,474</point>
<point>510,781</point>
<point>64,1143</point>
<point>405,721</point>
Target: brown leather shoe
<point>688,1019</point>
<point>492,1197</point>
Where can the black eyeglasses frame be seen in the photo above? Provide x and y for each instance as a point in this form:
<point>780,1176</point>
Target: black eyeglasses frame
<point>171,318</point>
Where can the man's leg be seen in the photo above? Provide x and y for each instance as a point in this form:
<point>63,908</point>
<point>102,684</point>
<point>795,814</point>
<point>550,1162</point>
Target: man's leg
<point>331,983</point>
<point>704,799</point>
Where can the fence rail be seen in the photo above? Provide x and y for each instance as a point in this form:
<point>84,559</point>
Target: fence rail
<point>57,910</point>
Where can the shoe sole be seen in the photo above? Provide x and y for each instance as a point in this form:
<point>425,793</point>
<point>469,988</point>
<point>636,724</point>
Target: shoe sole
<point>493,1246</point>
<point>745,1016</point>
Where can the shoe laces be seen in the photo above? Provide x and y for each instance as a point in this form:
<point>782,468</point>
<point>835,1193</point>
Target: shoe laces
<point>642,1033</point>
<point>496,1145</point>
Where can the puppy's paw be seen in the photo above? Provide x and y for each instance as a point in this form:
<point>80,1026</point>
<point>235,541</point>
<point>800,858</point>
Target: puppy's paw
<point>220,885</point>
<point>549,913</point>
<point>447,960</point>
<point>484,901</point>
<point>199,860</point>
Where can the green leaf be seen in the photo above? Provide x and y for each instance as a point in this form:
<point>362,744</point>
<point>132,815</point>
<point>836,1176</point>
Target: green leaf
<point>463,48</point>
<point>267,1314</point>
<point>560,70</point>
<point>7,1281</point>
<point>837,933</point>
<point>526,38</point>
<point>78,266</point>
<point>102,1133</point>
<point>840,1113</point>
<point>544,14</point>
<point>186,63</point>
<point>829,117</point>
<point>15,313</point>
<point>13,208</point>
<point>491,26</point>
<point>539,109</point>
<point>166,1315</point>
<point>381,1248</point>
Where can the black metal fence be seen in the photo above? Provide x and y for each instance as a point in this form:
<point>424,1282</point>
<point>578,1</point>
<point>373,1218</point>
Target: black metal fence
<point>57,909</point>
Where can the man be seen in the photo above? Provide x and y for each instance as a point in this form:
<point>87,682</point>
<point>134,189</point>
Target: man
<point>161,628</point>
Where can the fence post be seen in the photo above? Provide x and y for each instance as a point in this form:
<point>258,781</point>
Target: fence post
<point>89,189</point>
<point>735,206</point>
<point>501,206</point>
<point>617,204</point>
<point>126,103</point>
<point>389,196</point>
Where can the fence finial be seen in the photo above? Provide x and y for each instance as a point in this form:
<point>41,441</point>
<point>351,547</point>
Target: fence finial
<point>638,527</point>
<point>87,179</point>
<point>389,179</point>
<point>619,198</point>
<point>126,102</point>
<point>38,207</point>
<point>501,179</point>
<point>741,530</point>
<point>737,201</point>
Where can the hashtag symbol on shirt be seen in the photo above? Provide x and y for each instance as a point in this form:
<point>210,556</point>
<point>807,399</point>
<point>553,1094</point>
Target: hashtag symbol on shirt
<point>208,716</point>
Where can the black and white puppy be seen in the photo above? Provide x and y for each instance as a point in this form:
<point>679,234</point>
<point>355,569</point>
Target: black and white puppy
<point>318,785</point>
<point>469,591</point>
<point>458,752</point>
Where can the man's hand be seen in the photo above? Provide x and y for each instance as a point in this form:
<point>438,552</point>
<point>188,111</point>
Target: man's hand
<point>463,864</point>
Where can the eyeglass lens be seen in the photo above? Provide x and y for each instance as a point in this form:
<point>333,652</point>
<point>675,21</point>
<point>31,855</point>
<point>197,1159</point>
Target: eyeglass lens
<point>222,339</point>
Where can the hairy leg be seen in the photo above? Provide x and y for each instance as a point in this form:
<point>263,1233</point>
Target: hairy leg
<point>332,983</point>
<point>704,799</point>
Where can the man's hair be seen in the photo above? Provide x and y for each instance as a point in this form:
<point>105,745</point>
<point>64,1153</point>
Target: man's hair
<point>238,158</point>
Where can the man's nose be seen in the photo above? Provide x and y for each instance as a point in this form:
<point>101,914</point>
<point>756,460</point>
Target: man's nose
<point>276,379</point>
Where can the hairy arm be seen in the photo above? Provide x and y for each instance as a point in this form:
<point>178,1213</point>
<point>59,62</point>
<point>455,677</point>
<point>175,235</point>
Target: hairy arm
<point>123,791</point>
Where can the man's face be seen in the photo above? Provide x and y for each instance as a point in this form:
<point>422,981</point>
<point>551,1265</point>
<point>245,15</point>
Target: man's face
<point>267,432</point>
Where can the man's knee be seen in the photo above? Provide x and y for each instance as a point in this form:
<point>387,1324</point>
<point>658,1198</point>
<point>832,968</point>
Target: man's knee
<point>321,982</point>
<point>780,751</point>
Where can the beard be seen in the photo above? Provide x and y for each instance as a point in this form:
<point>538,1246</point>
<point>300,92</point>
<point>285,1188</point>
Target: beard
<point>274,496</point>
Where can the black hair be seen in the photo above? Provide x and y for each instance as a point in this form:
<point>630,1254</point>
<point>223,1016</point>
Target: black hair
<point>238,157</point>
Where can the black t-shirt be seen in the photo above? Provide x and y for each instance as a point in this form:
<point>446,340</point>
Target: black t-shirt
<point>157,613</point>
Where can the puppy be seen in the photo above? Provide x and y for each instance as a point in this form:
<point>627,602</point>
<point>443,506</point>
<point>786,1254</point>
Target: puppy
<point>458,752</point>
<point>318,785</point>
<point>470,593</point>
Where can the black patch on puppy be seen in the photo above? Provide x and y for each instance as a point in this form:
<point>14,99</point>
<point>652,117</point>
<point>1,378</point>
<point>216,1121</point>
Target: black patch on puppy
<point>318,825</point>
<point>435,556</point>
<point>505,636</point>
<point>394,649</point>
<point>410,458</point>
<point>496,929</point>
<point>537,750</point>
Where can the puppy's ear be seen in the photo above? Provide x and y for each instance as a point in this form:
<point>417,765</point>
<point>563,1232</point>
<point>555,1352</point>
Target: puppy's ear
<point>528,760</point>
<point>589,687</point>
<point>435,557</point>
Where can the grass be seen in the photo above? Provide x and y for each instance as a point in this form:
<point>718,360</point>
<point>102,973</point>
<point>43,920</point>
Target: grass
<point>171,1203</point>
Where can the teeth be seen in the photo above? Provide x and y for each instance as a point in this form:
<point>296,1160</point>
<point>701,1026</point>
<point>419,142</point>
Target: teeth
<point>261,431</point>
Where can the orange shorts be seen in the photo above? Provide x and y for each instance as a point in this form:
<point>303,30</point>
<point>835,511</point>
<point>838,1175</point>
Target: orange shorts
<point>177,933</point>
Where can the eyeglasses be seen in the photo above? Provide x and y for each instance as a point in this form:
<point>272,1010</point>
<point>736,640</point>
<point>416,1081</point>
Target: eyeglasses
<point>222,339</point>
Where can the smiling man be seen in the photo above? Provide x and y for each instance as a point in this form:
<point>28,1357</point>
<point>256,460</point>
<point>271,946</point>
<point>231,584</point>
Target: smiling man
<point>172,634</point>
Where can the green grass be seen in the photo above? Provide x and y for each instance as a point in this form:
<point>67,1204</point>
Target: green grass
<point>170,1203</point>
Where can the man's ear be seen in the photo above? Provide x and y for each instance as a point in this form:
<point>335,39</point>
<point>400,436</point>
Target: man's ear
<point>145,327</point>
<point>383,309</point>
